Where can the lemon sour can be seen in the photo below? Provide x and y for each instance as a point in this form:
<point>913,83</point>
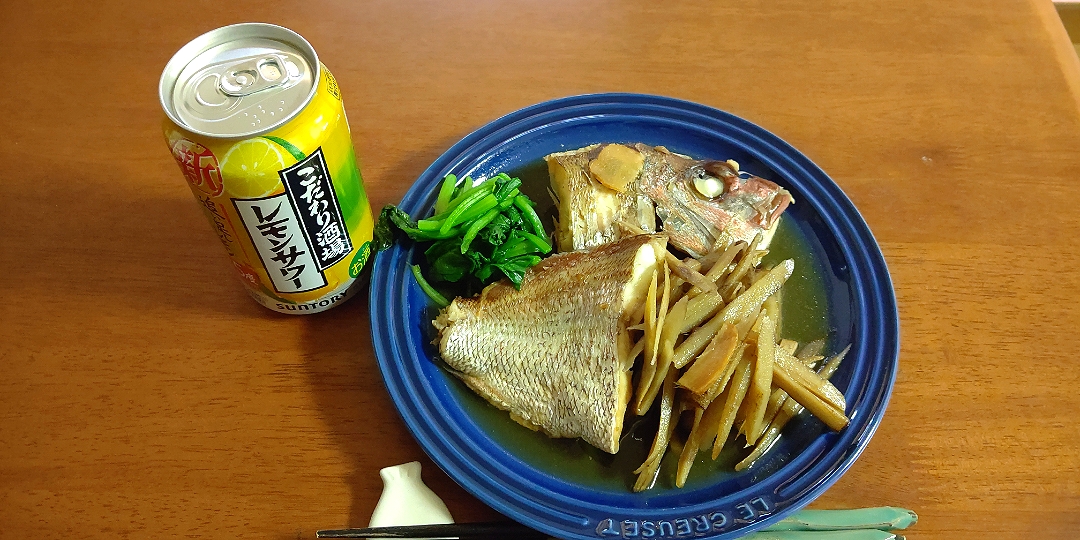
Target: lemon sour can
<point>258,128</point>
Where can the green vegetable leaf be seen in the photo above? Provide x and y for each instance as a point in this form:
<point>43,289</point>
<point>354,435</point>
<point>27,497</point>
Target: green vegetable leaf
<point>451,266</point>
<point>514,269</point>
<point>496,232</point>
<point>477,234</point>
<point>526,206</point>
<point>446,192</point>
<point>383,234</point>
<point>439,248</point>
<point>400,219</point>
<point>430,291</point>
<point>506,187</point>
<point>516,221</point>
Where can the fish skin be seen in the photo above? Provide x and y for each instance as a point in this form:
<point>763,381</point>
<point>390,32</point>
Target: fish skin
<point>553,353</point>
<point>591,213</point>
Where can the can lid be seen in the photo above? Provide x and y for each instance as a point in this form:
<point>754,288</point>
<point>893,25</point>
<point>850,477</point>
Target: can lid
<point>239,80</point>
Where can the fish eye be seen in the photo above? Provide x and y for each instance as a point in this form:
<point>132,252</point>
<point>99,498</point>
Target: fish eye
<point>708,186</point>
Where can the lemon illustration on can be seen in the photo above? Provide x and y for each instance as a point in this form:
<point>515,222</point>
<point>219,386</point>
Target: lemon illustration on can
<point>250,168</point>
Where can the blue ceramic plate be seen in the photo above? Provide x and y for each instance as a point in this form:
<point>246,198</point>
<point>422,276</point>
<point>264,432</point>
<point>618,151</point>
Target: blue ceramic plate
<point>562,488</point>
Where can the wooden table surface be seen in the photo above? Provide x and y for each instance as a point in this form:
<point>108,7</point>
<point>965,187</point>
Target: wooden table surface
<point>143,394</point>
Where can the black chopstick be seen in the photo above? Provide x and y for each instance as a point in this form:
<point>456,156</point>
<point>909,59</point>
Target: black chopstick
<point>464,531</point>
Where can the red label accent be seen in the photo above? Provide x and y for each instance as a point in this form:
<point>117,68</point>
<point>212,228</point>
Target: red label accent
<point>247,273</point>
<point>199,166</point>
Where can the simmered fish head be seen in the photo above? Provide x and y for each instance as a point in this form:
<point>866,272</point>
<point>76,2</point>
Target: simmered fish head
<point>604,190</point>
<point>703,202</point>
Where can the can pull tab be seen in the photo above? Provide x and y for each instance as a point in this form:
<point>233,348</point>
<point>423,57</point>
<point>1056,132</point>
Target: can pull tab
<point>253,75</point>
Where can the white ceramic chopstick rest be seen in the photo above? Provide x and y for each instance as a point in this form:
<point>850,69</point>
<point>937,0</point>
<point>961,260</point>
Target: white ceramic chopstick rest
<point>405,500</point>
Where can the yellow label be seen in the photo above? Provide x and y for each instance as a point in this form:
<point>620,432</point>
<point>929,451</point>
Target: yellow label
<point>289,206</point>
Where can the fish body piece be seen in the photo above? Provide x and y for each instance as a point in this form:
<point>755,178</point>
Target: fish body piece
<point>699,203</point>
<point>555,353</point>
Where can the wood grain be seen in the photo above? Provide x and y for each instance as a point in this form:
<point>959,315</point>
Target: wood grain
<point>144,395</point>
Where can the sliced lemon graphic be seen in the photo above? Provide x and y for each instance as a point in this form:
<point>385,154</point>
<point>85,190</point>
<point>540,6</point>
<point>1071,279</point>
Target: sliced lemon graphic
<point>250,168</point>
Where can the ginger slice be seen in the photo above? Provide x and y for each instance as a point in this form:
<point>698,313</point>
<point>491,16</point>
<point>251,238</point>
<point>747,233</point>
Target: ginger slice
<point>616,166</point>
